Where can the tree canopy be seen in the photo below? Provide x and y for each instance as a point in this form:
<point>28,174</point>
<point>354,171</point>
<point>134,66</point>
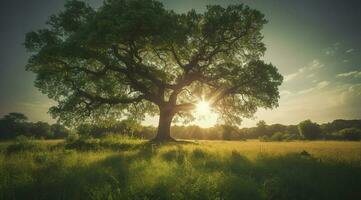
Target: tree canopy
<point>130,58</point>
<point>309,130</point>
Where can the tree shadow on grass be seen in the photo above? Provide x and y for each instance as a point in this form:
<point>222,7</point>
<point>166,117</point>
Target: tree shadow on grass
<point>178,173</point>
<point>292,176</point>
<point>173,142</point>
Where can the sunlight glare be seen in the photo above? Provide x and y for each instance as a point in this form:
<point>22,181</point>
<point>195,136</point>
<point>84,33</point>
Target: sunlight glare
<point>203,108</point>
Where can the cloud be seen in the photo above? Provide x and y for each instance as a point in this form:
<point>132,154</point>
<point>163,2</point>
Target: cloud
<point>354,74</point>
<point>322,84</point>
<point>285,93</point>
<point>290,77</point>
<point>351,96</point>
<point>306,91</point>
<point>314,65</point>
<point>341,101</point>
<point>349,51</point>
<point>330,51</point>
<point>319,86</point>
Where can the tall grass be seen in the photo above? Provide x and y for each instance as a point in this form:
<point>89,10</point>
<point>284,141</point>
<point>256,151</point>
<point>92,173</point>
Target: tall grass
<point>204,170</point>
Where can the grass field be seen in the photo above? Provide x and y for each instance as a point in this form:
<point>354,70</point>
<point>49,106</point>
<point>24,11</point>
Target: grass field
<point>135,169</point>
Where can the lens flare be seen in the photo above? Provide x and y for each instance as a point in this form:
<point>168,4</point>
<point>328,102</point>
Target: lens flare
<point>203,108</point>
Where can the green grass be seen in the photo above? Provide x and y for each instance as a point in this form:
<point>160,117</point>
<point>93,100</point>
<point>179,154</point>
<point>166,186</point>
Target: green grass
<point>121,168</point>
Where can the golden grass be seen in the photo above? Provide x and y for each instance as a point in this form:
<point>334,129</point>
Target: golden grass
<point>340,150</point>
<point>190,170</point>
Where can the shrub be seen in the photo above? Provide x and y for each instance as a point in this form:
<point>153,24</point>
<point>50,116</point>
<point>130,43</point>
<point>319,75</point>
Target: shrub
<point>59,131</point>
<point>82,143</point>
<point>41,130</point>
<point>71,137</point>
<point>264,138</point>
<point>289,137</point>
<point>119,142</point>
<point>352,134</point>
<point>108,141</point>
<point>278,136</point>
<point>334,136</point>
<point>23,143</point>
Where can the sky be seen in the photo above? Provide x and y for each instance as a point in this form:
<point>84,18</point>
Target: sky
<point>315,44</point>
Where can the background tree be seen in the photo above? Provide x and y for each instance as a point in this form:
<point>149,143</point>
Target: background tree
<point>16,117</point>
<point>229,132</point>
<point>59,131</point>
<point>352,134</point>
<point>309,130</point>
<point>128,127</point>
<point>261,129</point>
<point>12,125</point>
<point>41,130</point>
<point>133,57</point>
<point>339,124</point>
<point>85,129</point>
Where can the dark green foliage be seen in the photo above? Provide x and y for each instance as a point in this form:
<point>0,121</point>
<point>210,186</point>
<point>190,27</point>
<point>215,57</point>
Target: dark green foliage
<point>59,131</point>
<point>309,130</point>
<point>280,136</point>
<point>86,129</point>
<point>15,117</point>
<point>12,125</point>
<point>147,132</point>
<point>339,124</point>
<point>261,129</point>
<point>15,124</point>
<point>352,134</point>
<point>266,131</point>
<point>41,130</point>
<point>333,136</point>
<point>230,132</point>
<point>217,132</point>
<point>274,132</point>
<point>129,58</point>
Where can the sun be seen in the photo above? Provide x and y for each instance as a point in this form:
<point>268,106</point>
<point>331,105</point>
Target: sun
<point>204,114</point>
<point>203,108</point>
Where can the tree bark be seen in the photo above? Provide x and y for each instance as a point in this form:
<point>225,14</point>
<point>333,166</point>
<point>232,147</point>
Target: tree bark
<point>165,121</point>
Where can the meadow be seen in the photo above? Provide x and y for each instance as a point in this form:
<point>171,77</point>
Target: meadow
<point>123,168</point>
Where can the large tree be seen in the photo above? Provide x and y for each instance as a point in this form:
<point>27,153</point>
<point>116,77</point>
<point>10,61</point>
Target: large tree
<point>129,58</point>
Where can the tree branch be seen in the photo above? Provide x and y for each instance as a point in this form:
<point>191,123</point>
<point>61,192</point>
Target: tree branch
<point>111,100</point>
<point>184,107</point>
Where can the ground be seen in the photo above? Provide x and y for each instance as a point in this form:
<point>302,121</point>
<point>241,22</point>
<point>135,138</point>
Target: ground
<point>118,168</point>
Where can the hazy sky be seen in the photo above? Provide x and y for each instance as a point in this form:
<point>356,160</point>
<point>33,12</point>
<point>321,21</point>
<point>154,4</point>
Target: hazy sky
<point>316,45</point>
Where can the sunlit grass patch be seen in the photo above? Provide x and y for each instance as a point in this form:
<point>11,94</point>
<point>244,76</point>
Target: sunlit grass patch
<point>201,170</point>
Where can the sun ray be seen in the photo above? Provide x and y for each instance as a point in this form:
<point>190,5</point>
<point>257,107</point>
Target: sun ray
<point>203,108</point>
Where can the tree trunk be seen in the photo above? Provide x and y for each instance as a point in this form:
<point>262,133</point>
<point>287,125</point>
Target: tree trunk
<point>165,120</point>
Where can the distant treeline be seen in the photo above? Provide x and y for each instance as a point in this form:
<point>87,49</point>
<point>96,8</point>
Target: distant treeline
<point>16,124</point>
